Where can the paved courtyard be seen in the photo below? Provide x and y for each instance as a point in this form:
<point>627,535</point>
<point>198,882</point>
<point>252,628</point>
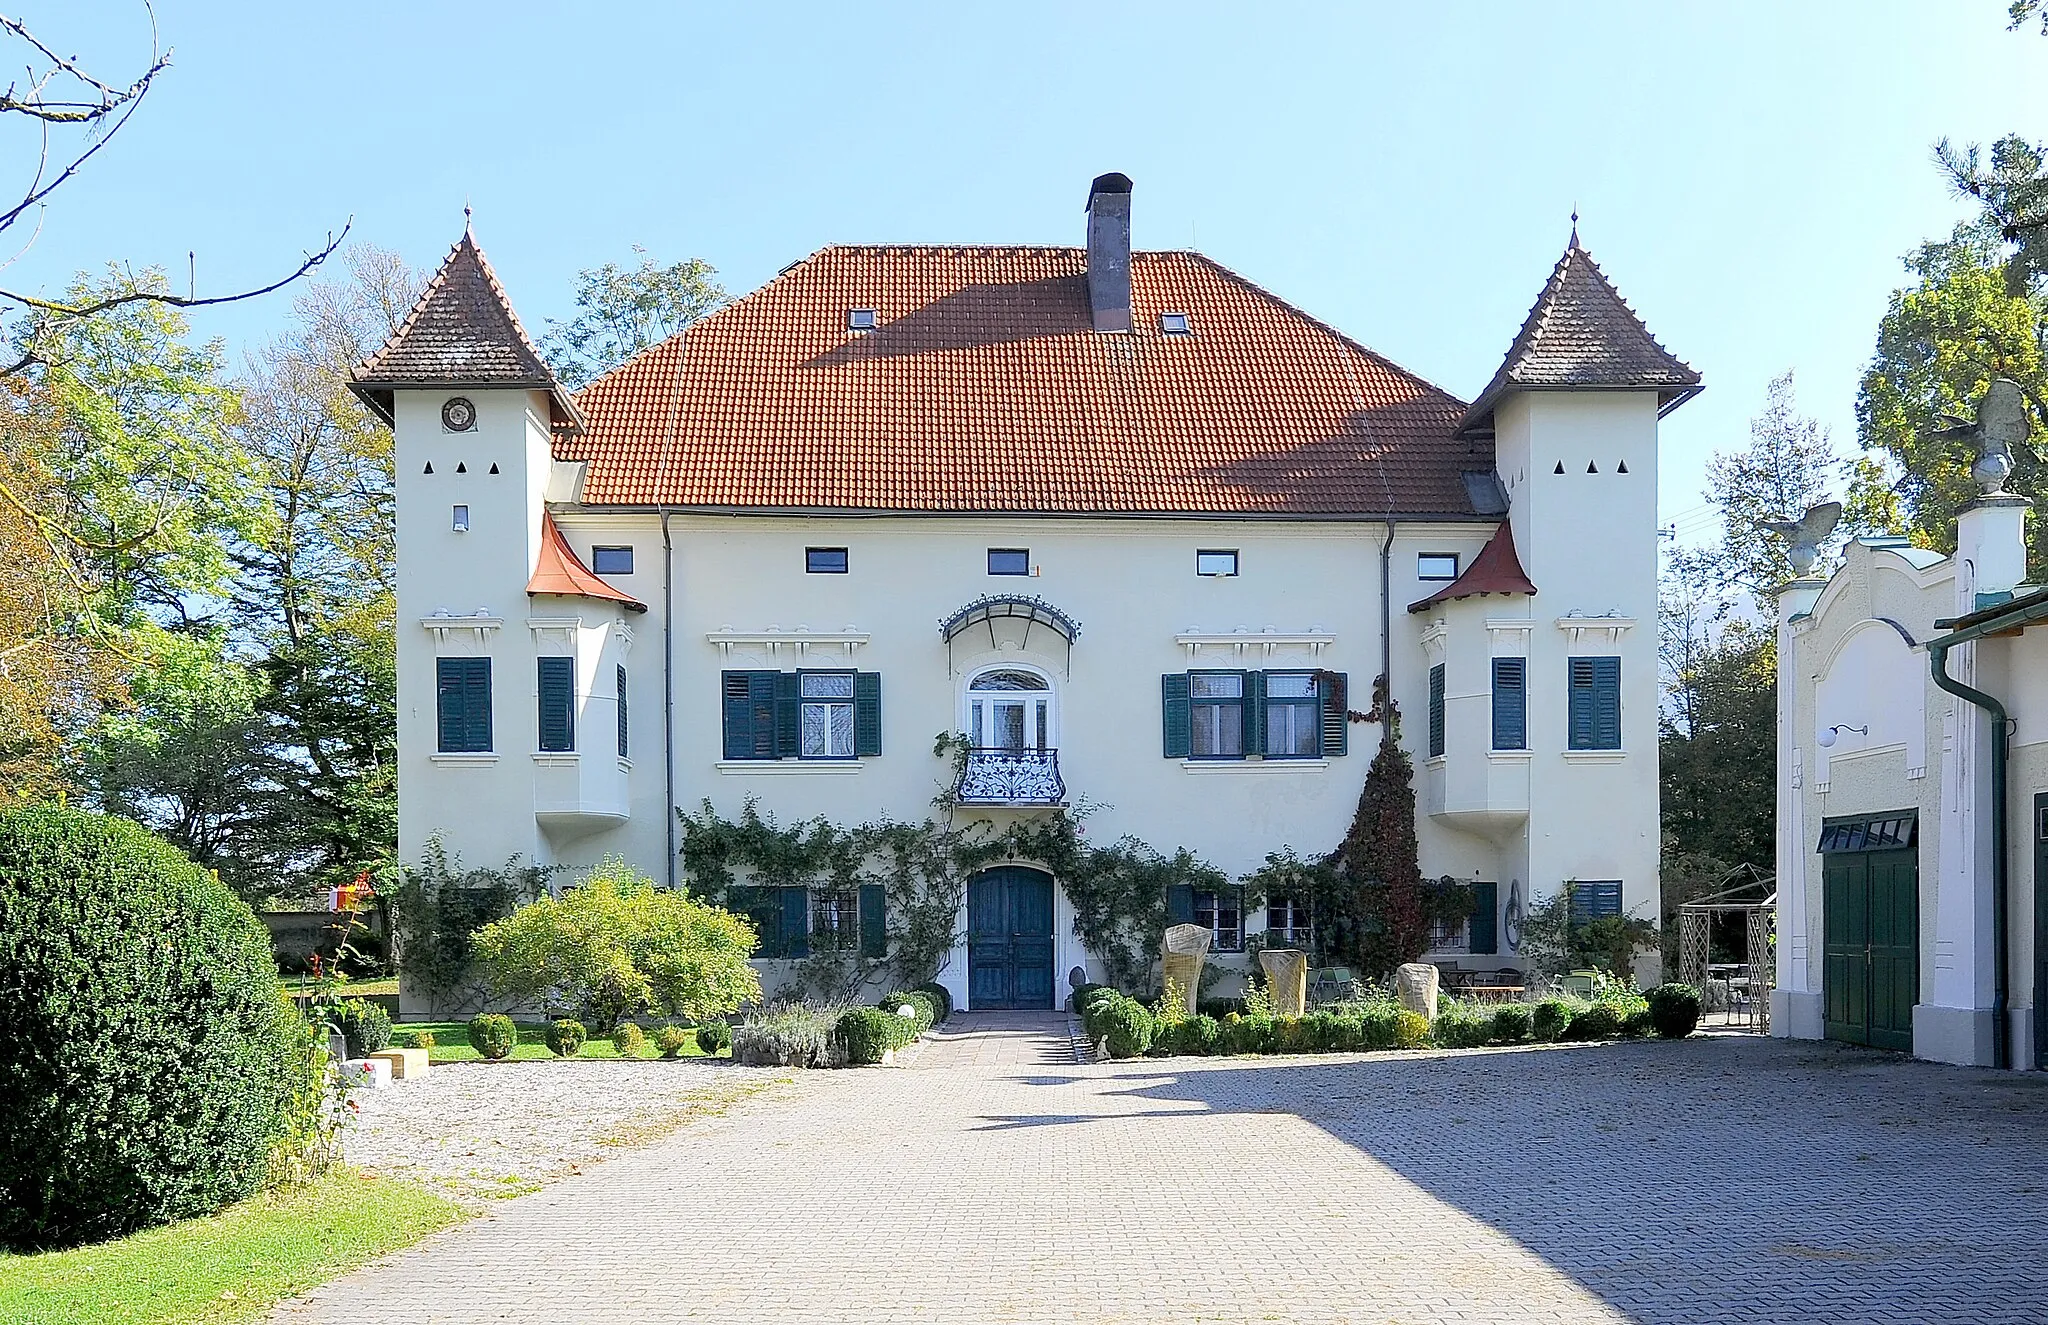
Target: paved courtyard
<point>994,1178</point>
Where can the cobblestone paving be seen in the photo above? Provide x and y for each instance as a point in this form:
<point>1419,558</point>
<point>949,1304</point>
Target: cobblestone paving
<point>996,1178</point>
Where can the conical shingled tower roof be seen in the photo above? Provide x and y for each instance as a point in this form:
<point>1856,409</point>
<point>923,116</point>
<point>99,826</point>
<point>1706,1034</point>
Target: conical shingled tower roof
<point>1582,335</point>
<point>461,333</point>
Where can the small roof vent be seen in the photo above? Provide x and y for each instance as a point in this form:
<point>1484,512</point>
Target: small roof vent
<point>860,319</point>
<point>1173,324</point>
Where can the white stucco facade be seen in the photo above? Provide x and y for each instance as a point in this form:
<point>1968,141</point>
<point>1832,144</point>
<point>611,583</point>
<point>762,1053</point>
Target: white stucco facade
<point>1535,782</point>
<point>1867,736</point>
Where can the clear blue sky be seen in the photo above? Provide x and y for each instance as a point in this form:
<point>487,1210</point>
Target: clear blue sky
<point>1748,173</point>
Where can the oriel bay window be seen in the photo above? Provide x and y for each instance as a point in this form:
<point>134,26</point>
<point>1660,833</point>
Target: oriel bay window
<point>801,715</point>
<point>1253,715</point>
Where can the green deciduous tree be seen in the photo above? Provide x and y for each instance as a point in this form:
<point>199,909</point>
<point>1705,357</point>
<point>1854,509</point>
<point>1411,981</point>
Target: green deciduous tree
<point>614,945</point>
<point>620,311</point>
<point>1787,467</point>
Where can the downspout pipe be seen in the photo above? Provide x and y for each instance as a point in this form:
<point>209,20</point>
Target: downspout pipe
<point>1937,656</point>
<point>1387,607</point>
<point>668,692</point>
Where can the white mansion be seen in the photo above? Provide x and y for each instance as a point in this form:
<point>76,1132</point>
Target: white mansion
<point>1130,523</point>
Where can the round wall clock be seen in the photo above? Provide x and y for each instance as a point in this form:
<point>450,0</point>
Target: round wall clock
<point>458,414</point>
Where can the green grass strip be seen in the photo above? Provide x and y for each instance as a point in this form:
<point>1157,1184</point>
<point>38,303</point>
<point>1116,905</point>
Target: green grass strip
<point>233,1266</point>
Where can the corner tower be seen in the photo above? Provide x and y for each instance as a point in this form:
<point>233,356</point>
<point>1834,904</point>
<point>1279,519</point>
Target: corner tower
<point>1573,413</point>
<point>473,409</point>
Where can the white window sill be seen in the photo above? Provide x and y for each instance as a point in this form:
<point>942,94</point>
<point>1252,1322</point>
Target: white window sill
<point>625,764</point>
<point>1434,761</point>
<point>479,757</point>
<point>556,758</point>
<point>1510,756</point>
<point>1595,756</point>
<point>1254,765</point>
<point>742,767</point>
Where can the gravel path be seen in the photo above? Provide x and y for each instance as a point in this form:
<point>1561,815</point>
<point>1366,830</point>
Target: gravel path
<point>499,1129</point>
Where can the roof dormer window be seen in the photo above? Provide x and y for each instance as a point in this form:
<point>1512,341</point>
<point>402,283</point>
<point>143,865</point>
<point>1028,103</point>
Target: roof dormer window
<point>1173,324</point>
<point>860,319</point>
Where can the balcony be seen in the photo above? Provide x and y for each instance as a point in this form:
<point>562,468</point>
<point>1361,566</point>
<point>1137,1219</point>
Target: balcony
<point>1011,777</point>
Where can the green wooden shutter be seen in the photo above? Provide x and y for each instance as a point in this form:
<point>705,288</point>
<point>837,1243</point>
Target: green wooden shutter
<point>1333,692</point>
<point>462,705</point>
<point>1176,714</point>
<point>448,697</point>
<point>867,713</point>
<point>1510,703</point>
<point>749,704</point>
<point>1436,710</point>
<point>1254,714</point>
<point>1484,926</point>
<point>624,745</point>
<point>874,928</point>
<point>1607,703</point>
<point>756,905</point>
<point>796,919</point>
<point>1579,705</point>
<point>789,707</point>
<point>1180,904</point>
<point>557,704</point>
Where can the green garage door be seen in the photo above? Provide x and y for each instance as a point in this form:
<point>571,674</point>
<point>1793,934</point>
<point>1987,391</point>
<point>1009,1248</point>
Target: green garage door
<point>1870,972</point>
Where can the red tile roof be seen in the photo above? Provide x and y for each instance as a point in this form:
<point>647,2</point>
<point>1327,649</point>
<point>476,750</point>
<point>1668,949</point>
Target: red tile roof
<point>1497,569</point>
<point>984,388</point>
<point>558,570</point>
<point>1581,333</point>
<point>461,332</point>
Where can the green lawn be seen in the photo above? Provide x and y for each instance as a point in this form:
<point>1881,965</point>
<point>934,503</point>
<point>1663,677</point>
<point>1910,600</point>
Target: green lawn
<point>230,1267</point>
<point>451,1042</point>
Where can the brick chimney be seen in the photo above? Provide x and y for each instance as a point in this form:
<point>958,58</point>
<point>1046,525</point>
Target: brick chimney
<point>1109,252</point>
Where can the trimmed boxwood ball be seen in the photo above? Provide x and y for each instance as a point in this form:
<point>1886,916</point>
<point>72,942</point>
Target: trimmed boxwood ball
<point>1511,1022</point>
<point>671,1041</point>
<point>628,1039</point>
<point>365,1025</point>
<point>926,1007</point>
<point>1127,1027</point>
<point>868,1034</point>
<point>941,1000</point>
<point>148,1058</point>
<point>1602,1021</point>
<point>1674,1010</point>
<point>493,1035</point>
<point>714,1037</point>
<point>566,1037</point>
<point>1552,1018</point>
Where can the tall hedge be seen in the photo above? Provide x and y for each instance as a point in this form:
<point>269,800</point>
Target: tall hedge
<point>147,1057</point>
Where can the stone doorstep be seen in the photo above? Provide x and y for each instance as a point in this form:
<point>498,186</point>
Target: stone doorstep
<point>406,1064</point>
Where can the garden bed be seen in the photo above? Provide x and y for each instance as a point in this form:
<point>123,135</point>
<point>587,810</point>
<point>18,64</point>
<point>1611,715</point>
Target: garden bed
<point>451,1043</point>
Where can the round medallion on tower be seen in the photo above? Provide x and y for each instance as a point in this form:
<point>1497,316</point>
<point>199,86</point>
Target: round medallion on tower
<point>458,414</point>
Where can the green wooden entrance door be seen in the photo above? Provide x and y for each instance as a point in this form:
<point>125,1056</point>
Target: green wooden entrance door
<point>1870,970</point>
<point>1009,939</point>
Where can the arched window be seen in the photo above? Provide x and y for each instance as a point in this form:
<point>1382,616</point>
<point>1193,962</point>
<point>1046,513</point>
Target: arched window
<point>1009,708</point>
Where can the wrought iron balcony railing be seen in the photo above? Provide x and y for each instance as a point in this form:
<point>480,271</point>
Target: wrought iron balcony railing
<point>1011,777</point>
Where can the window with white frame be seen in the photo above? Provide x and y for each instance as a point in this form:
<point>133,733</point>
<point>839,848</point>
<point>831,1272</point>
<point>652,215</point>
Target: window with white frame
<point>826,717</point>
<point>1294,716</point>
<point>1010,709</point>
<point>1447,935</point>
<point>1287,922</point>
<point>1222,914</point>
<point>1216,705</point>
